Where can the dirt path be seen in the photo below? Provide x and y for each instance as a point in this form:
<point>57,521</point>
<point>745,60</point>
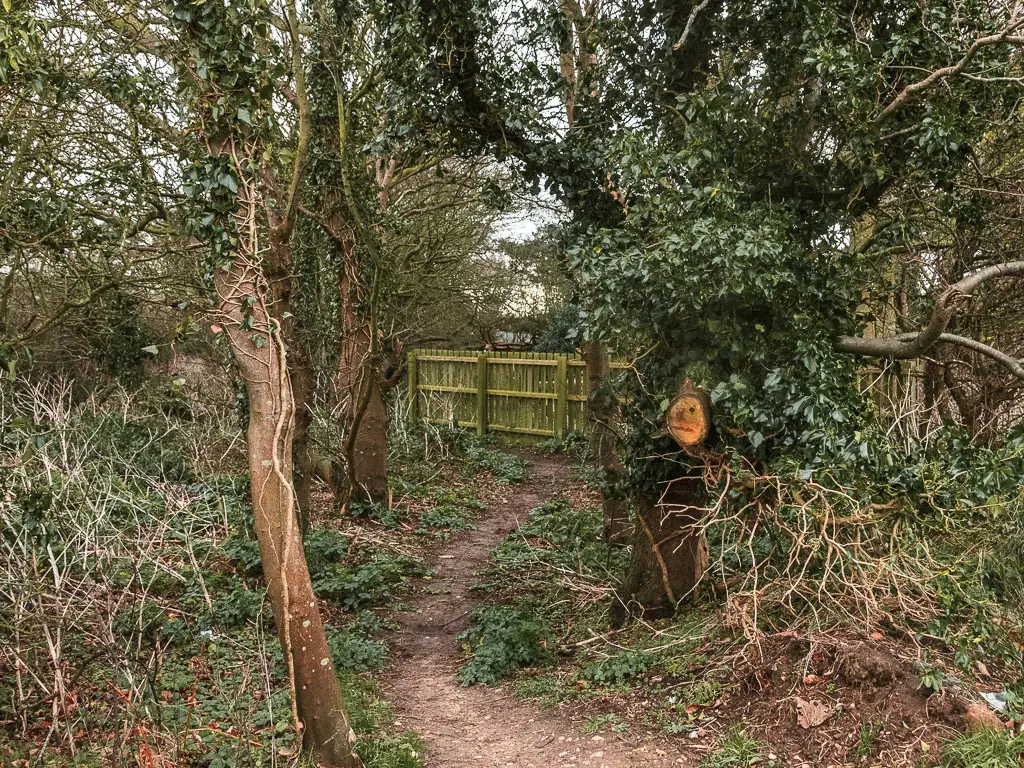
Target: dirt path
<point>482,726</point>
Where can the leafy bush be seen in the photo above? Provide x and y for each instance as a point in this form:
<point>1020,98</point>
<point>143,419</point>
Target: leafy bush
<point>352,650</point>
<point>622,666</point>
<point>500,640</point>
<point>324,547</point>
<point>574,443</point>
<point>556,534</point>
<point>243,553</point>
<point>447,517</point>
<point>389,516</point>
<point>507,468</point>
<point>371,717</point>
<point>239,606</point>
<point>372,583</point>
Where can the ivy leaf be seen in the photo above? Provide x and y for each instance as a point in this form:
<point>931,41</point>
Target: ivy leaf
<point>151,349</point>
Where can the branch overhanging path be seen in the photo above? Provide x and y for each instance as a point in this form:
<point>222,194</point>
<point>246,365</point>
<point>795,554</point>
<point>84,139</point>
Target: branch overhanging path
<point>906,346</point>
<point>482,726</point>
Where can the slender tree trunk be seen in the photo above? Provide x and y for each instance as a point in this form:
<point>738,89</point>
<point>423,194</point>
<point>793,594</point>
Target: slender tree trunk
<point>366,445</point>
<point>601,408</point>
<point>305,468</point>
<point>669,555</point>
<point>283,284</point>
<point>316,695</point>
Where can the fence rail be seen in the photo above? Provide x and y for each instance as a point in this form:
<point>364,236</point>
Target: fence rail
<point>531,393</point>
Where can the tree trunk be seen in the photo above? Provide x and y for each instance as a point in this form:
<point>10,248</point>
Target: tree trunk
<point>305,469</point>
<point>601,407</point>
<point>366,445</point>
<point>669,556</point>
<point>316,695</point>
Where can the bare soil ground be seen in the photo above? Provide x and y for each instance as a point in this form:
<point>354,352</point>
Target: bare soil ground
<point>482,726</point>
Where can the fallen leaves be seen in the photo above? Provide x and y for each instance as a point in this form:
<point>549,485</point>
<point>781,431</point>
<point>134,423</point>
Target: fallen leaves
<point>811,713</point>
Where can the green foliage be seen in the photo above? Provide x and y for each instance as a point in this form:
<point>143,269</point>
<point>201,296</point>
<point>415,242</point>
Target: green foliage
<point>576,444</point>
<point>556,534</point>
<point>562,332</point>
<point>546,691</point>
<point>703,693</point>
<point>371,717</point>
<point>502,639</point>
<point>984,749</point>
<point>597,723</point>
<point>932,678</point>
<point>324,548</point>
<point>353,648</point>
<point>615,669</point>
<point>116,336</point>
<point>507,468</point>
<point>390,516</point>
<point>374,582</point>
<point>239,606</point>
<point>349,585</point>
<point>447,517</point>
<point>735,750</point>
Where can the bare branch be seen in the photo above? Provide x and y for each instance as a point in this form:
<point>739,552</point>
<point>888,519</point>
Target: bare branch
<point>906,346</point>
<point>1005,35</point>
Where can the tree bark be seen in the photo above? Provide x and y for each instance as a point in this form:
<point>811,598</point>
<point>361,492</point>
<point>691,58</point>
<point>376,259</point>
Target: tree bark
<point>669,554</point>
<point>305,468</point>
<point>601,408</point>
<point>316,695</point>
<point>366,444</point>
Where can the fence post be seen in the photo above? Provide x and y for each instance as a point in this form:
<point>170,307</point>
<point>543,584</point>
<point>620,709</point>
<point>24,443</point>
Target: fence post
<point>414,383</point>
<point>561,397</point>
<point>481,395</point>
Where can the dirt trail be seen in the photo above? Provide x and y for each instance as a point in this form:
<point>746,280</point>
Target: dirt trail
<point>482,726</point>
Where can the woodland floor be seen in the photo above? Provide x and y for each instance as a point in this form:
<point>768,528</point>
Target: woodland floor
<point>481,726</point>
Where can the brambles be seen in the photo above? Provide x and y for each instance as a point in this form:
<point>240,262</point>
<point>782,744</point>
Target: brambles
<point>148,589</point>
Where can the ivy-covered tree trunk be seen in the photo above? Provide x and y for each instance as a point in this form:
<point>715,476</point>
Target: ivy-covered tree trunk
<point>261,359</point>
<point>601,408</point>
<point>669,554</point>
<point>284,282</point>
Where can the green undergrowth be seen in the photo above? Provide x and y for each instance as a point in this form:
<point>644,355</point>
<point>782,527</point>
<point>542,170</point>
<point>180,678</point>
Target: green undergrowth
<point>547,593</point>
<point>134,560</point>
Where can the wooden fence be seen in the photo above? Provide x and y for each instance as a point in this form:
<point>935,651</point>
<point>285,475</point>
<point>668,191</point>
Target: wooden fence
<point>530,393</point>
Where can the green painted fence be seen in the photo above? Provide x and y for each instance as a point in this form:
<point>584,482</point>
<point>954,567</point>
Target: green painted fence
<point>530,393</point>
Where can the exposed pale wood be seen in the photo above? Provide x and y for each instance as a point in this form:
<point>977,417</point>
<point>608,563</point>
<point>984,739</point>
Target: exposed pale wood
<point>688,418</point>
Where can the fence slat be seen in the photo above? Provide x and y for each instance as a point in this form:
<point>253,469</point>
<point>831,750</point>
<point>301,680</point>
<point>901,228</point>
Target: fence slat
<point>532,393</point>
<point>481,395</point>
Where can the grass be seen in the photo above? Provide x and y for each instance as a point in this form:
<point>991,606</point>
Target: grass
<point>984,749</point>
<point>867,739</point>
<point>735,749</point>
